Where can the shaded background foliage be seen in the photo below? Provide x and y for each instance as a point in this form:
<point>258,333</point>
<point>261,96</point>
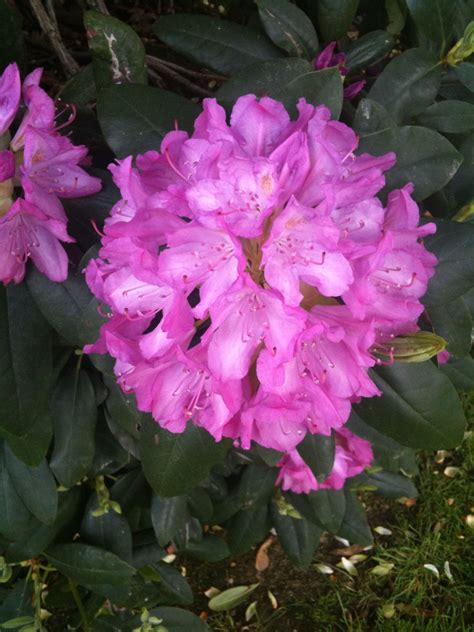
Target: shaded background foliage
<point>93,492</point>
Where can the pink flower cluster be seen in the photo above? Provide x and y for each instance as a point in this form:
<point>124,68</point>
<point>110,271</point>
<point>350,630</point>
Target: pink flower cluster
<point>46,166</point>
<point>327,58</point>
<point>249,270</point>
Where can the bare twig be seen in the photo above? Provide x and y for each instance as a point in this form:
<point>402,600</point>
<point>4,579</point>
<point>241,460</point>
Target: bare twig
<point>182,70</point>
<point>162,69</point>
<point>48,26</point>
<point>156,78</point>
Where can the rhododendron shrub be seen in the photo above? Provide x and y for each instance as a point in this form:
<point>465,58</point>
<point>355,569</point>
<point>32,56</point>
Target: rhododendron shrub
<point>251,273</point>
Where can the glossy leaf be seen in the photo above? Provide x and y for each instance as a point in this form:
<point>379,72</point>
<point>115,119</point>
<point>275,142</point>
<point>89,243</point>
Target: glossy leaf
<point>435,21</point>
<point>460,373</point>
<point>168,515</point>
<point>218,44</point>
<point>419,407</point>
<point>452,321</point>
<point>173,584</point>
<point>256,485</point>
<point>134,118</point>
<point>246,528</point>
<point>354,526</point>
<point>32,447</point>
<point>230,598</point>
<point>75,414</point>
<point>461,184</point>
<point>118,54</point>
<point>368,50</point>
<point>449,117</point>
<point>109,530</point>
<point>210,549</point>
<point>14,517</point>
<point>288,27</point>
<point>318,452</point>
<point>465,73</point>
<point>391,485</point>
<point>424,157</point>
<point>335,17</point>
<point>371,117</point>
<point>175,463</point>
<point>35,486</point>
<point>408,85</point>
<point>299,537</point>
<point>80,89</point>
<point>328,506</point>
<point>25,385</point>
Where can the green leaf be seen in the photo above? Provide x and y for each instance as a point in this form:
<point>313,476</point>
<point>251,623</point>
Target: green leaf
<point>328,506</point>
<point>460,373</point>
<point>248,527</point>
<point>317,451</point>
<point>391,484</point>
<point>18,601</point>
<point>453,246</point>
<point>449,117</point>
<point>371,117</point>
<point>109,530</point>
<point>200,504</point>
<point>175,463</point>
<point>177,620</point>
<point>419,407</point>
<point>75,414</point>
<point>397,13</point>
<point>135,119</point>
<point>299,537</point>
<point>465,73</point>
<point>168,515</point>
<point>118,54</point>
<point>35,486</point>
<point>256,485</point>
<point>80,89</point>
<point>288,27</point>
<point>368,50</point>
<point>453,322</point>
<point>89,565</point>
<point>218,44</point>
<point>25,385</point>
<point>435,21</point>
<point>210,549</point>
<point>354,526</point>
<point>286,80</point>
<point>408,85</point>
<point>122,408</point>
<point>173,584</point>
<point>424,157</point>
<point>68,307</point>
<point>232,597</point>
<point>461,184</point>
<point>335,17</point>
<point>32,447</point>
<point>14,516</point>
<point>11,36</point>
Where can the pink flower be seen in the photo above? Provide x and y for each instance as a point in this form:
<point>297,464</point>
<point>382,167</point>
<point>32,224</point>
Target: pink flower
<point>46,165</point>
<point>250,269</point>
<point>328,59</point>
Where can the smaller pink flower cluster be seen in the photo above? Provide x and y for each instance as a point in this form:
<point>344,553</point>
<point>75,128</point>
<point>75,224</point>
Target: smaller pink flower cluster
<point>327,58</point>
<point>46,166</point>
<point>250,270</point>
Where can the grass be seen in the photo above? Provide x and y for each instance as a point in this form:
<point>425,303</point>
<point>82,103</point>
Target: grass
<point>410,597</point>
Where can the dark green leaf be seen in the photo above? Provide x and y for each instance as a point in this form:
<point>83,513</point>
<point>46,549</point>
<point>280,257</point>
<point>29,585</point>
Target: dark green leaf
<point>110,456</point>
<point>328,506</point>
<point>175,463</point>
<point>248,527</point>
<point>452,321</point>
<point>25,385</point>
<point>461,184</point>
<point>122,408</point>
<point>453,245</point>
<point>256,485</point>
<point>131,490</point>
<point>134,593</point>
<point>465,73</point>
<point>391,485</point>
<point>18,602</point>
<point>109,531</point>
<point>449,117</point>
<point>168,515</point>
<point>11,34</point>
<point>354,527</point>
<point>35,486</point>
<point>80,89</point>
<point>288,27</point>
<point>200,504</point>
<point>210,549</point>
<point>419,407</point>
<point>335,17</point>
<point>435,22</point>
<point>318,451</point>
<point>218,44</point>
<point>14,516</point>
<point>191,532</point>
<point>397,14</point>
<point>177,620</point>
<point>371,117</point>
<point>408,85</point>
<point>299,538</point>
<point>118,54</point>
<point>134,119</point>
<point>461,373</point>
<point>75,414</point>
<point>32,447</point>
<point>286,80</point>
<point>368,49</point>
<point>69,306</point>
<point>230,598</point>
<point>424,157</point>
<point>89,565</point>
<point>173,584</point>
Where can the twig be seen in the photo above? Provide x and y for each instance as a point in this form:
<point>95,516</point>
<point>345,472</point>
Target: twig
<point>168,72</point>
<point>184,71</point>
<point>48,26</point>
<point>156,78</point>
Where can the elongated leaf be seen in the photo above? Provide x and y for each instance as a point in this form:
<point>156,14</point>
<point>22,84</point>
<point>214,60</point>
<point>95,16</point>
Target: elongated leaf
<point>118,54</point>
<point>392,485</point>
<point>109,531</point>
<point>368,49</point>
<point>318,452</point>
<point>424,157</point>
<point>451,117</point>
<point>371,117</point>
<point>134,119</point>
<point>230,598</point>
<point>465,74</point>
<point>210,549</point>
<point>461,184</point>
<point>168,515</point>
<point>177,620</point>
<point>89,565</point>
<point>35,486</point>
<point>14,516</point>
<point>299,537</point>
<point>75,414</point>
<point>453,245</point>
<point>460,373</point>
<point>175,463</point>
<point>408,85</point>
<point>173,584</point>
<point>452,321</point>
<point>80,89</point>
<point>286,80</point>
<point>419,407</point>
<point>354,526</point>
<point>122,408</point>
<point>247,528</point>
<point>435,21</point>
<point>218,44</point>
<point>328,506</point>
<point>25,384</point>
<point>335,17</point>
<point>288,27</point>
<point>32,447</point>
<point>256,485</point>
